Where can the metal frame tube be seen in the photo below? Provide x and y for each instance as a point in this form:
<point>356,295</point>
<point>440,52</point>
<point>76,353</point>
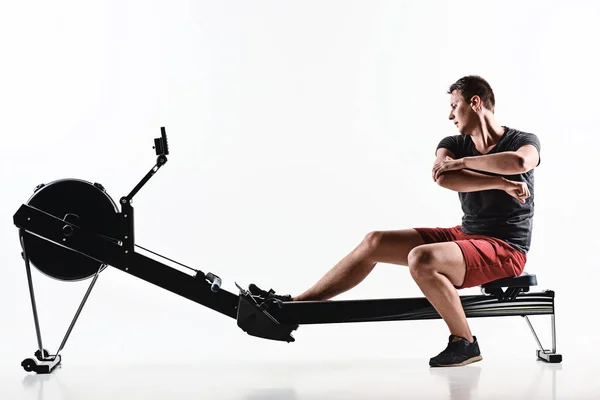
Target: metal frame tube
<point>534,334</point>
<point>85,297</point>
<point>32,296</point>
<point>553,333</point>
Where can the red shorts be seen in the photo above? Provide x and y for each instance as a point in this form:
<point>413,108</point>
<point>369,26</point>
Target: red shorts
<point>487,258</point>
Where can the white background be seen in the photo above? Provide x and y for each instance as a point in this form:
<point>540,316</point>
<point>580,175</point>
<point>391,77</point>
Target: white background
<point>295,128</point>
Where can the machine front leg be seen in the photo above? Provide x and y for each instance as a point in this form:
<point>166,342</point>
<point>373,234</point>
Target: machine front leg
<point>41,364</point>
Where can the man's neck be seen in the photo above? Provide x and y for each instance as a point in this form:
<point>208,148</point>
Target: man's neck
<point>487,134</point>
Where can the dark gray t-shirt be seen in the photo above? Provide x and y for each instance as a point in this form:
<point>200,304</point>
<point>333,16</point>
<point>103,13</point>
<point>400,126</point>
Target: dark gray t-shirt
<point>494,212</point>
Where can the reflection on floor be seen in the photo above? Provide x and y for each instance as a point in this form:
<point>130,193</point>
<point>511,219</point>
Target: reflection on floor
<point>364,379</point>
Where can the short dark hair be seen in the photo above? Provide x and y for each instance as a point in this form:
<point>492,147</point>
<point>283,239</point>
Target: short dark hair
<point>472,85</point>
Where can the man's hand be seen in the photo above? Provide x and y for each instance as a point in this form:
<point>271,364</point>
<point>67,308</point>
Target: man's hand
<point>449,164</point>
<point>518,190</point>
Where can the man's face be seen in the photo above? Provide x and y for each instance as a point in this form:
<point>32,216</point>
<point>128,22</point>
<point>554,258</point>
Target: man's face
<point>461,113</point>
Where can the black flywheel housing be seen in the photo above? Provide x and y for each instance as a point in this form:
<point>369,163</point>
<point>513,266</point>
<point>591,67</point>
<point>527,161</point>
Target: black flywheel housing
<point>80,203</point>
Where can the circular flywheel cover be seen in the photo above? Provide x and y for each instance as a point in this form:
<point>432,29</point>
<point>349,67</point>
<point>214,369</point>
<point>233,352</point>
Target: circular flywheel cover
<point>80,203</point>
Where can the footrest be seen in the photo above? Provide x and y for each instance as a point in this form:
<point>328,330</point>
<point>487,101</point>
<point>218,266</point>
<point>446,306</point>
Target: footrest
<point>255,319</point>
<point>523,281</point>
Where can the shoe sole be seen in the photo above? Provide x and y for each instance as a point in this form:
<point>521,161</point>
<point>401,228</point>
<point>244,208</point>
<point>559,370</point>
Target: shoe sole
<point>466,362</point>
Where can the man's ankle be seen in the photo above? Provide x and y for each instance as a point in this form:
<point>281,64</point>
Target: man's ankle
<point>468,338</point>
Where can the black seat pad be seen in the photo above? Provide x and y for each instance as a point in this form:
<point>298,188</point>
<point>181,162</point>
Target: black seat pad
<point>522,281</point>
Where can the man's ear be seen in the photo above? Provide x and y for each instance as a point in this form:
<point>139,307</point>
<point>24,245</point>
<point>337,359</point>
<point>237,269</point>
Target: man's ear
<point>476,102</point>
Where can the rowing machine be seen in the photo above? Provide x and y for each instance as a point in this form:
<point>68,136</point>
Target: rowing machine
<point>71,230</point>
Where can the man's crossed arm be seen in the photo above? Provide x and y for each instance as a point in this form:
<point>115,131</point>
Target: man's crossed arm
<point>452,173</point>
<point>504,163</point>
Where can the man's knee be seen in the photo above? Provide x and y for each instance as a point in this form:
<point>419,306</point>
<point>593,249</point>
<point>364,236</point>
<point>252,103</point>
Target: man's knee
<point>372,240</point>
<point>388,246</point>
<point>421,262</point>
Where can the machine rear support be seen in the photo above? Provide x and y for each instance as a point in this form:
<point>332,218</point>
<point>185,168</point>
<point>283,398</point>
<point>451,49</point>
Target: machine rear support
<point>43,362</point>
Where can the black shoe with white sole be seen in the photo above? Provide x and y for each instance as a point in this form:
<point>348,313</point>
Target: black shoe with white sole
<point>459,352</point>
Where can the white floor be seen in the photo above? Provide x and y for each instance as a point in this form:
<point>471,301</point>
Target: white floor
<point>363,379</point>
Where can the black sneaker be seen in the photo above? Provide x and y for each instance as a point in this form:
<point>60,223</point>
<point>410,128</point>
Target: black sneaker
<point>459,352</point>
<point>266,295</point>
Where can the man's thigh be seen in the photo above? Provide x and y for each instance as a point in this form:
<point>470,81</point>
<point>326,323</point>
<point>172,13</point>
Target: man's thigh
<point>440,234</point>
<point>470,262</point>
<point>392,247</point>
<point>445,258</point>
<point>488,259</point>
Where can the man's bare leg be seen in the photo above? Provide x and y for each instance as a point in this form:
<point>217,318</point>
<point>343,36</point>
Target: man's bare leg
<point>390,247</point>
<point>437,268</point>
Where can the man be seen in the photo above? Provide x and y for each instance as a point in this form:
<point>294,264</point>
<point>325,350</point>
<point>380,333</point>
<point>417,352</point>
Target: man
<point>491,167</point>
